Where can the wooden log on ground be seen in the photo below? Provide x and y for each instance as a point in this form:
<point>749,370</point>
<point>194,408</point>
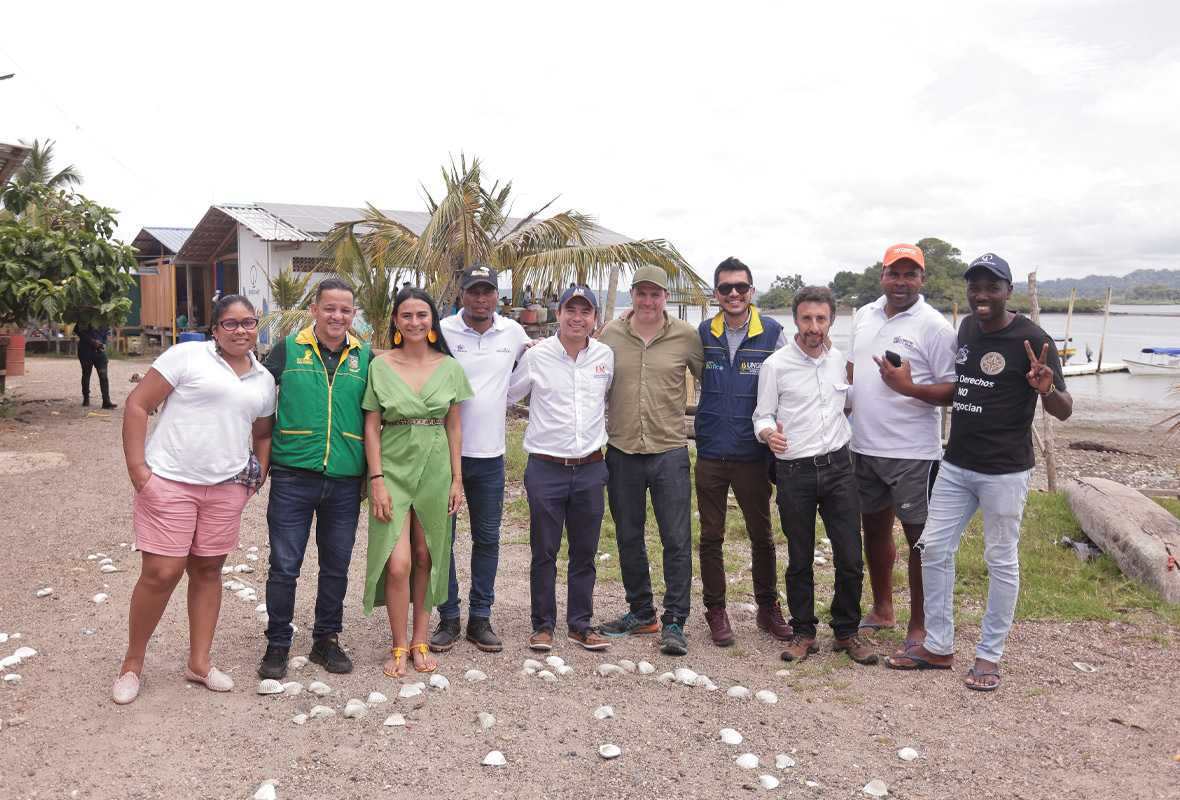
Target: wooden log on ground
<point>1141,537</point>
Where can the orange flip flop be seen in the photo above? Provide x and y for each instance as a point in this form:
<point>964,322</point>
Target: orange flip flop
<point>398,654</point>
<point>422,647</point>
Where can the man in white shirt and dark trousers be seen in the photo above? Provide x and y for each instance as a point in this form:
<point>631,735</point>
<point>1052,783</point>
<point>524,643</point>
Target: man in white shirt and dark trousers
<point>568,375</point>
<point>802,394</point>
<point>487,346</point>
<point>897,424</point>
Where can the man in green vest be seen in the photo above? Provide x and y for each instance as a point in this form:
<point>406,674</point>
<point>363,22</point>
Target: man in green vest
<point>317,469</point>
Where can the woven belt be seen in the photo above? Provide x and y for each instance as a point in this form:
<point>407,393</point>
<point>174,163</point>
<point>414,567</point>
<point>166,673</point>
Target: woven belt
<point>824,460</point>
<point>571,462</point>
<point>414,421</point>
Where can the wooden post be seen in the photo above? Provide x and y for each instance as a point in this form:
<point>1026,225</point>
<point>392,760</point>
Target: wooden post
<point>1069,321</point>
<point>1105,319</point>
<point>1047,421</point>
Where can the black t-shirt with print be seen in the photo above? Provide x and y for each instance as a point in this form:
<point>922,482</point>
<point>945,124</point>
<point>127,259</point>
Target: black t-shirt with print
<point>993,406</point>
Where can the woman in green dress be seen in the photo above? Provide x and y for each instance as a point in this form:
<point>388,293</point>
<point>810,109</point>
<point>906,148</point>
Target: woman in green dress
<point>412,444</point>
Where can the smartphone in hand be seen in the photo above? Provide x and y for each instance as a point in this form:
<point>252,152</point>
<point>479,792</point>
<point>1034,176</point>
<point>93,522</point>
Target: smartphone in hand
<point>893,358</point>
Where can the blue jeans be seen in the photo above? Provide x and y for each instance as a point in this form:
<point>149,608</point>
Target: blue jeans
<point>483,487</point>
<point>336,504</point>
<point>667,476</point>
<point>958,493</point>
<point>804,488</point>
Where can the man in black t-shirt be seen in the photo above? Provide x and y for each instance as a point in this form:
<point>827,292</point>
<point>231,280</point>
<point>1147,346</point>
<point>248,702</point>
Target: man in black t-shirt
<point>1004,363</point>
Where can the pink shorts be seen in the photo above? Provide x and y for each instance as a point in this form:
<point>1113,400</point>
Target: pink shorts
<point>178,519</point>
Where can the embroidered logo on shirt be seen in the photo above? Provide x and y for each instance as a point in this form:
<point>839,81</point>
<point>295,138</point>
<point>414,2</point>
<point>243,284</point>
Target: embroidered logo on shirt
<point>459,348</point>
<point>750,367</point>
<point>713,365</point>
<point>905,341</point>
<point>305,358</point>
<point>961,358</point>
<point>354,363</point>
<point>992,363</point>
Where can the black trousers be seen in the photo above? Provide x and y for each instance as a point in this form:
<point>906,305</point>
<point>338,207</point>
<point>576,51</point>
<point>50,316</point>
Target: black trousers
<point>92,359</point>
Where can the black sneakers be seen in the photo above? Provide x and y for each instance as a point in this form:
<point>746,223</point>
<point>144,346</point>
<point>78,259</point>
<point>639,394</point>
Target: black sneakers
<point>480,634</point>
<point>327,653</point>
<point>274,662</point>
<point>445,635</point>
<point>672,641</point>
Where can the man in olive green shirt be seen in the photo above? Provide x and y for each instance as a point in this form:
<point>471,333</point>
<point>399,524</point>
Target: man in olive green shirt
<point>647,450</point>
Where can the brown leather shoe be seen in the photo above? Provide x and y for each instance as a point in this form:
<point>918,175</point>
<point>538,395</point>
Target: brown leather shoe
<point>857,648</point>
<point>770,619</point>
<point>590,639</point>
<point>798,648</point>
<point>541,640</point>
<point>719,626</point>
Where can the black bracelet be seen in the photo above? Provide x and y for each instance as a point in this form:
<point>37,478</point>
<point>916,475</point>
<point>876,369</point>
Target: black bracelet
<point>378,475</point>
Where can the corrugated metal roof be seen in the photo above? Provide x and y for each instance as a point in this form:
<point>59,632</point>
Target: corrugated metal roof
<point>265,225</point>
<point>171,238</point>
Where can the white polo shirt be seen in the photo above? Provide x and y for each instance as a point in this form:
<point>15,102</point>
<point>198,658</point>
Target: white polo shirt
<point>202,435</point>
<point>567,413</point>
<point>885,423</point>
<point>487,359</point>
<point>807,395</point>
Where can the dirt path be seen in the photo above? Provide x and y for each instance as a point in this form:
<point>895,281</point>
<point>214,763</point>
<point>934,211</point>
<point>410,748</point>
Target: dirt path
<point>1048,733</point>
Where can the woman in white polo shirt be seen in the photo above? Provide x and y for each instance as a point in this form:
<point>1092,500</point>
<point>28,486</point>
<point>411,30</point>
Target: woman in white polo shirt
<point>192,478</point>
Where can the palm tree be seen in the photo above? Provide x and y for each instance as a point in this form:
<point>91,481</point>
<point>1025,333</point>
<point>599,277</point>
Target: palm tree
<point>472,224</point>
<point>38,168</point>
<point>291,298</point>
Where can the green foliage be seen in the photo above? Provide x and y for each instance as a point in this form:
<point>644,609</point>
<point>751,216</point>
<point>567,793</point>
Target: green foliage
<point>59,260</point>
<point>782,292</point>
<point>291,298</point>
<point>38,168</point>
<point>1094,286</point>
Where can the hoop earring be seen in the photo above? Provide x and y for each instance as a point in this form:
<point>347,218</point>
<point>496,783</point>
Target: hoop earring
<point>397,337</point>
<point>432,337</point>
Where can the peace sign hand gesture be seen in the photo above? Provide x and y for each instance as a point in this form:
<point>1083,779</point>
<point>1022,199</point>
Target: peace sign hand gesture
<point>1040,377</point>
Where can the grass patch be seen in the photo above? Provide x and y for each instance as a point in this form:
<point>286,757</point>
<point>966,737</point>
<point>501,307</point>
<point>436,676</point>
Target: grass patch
<point>1036,692</point>
<point>884,740</point>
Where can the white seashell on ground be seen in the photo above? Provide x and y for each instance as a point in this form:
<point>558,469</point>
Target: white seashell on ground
<point>474,675</point>
<point>411,690</point>
<point>627,665</point>
<point>768,781</point>
<point>810,784</point>
<point>820,560</point>
<point>251,557</point>
<point>749,607</point>
<point>494,759</point>
<point>9,661</point>
<point>355,709</point>
<point>226,570</point>
<point>376,698</point>
<point>667,677</point>
<point>299,719</point>
<point>101,597</point>
<point>564,669</point>
<point>1084,667</point>
<point>298,662</point>
<point>783,761</point>
<point>270,686</point>
<point>395,721</point>
<point>317,688</point>
<point>246,594</point>
<point>3,638</point>
<point>321,711</point>
<point>730,736</point>
<point>646,668</point>
<point>737,691</point>
<point>107,560</point>
<point>91,557</point>
<point>604,557</point>
<point>602,712</point>
<point>702,680</point>
<point>767,696</point>
<point>243,568</point>
<point>876,788</point>
<point>610,670</point>
<point>608,751</point>
<point>292,688</point>
<point>907,754</point>
<point>233,586</point>
<point>531,664</point>
<point>109,568</point>
<point>528,671</point>
<point>486,720</point>
<point>686,676</point>
<point>439,681</point>
<point>554,661</point>
<point>25,652</point>
<point>546,675</point>
<point>265,792</point>
<point>13,678</point>
<point>261,607</point>
<point>747,761</point>
<point>783,673</point>
<point>251,549</point>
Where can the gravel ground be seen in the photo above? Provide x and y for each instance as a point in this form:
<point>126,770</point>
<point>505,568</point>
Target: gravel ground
<point>1052,731</point>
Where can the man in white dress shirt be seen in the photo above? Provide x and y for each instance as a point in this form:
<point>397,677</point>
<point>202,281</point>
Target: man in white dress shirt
<point>897,425</point>
<point>487,346</point>
<point>802,394</point>
<point>568,375</point>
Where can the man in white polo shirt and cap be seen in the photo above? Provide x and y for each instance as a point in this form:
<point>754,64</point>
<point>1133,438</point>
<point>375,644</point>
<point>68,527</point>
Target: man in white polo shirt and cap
<point>897,424</point>
<point>487,346</point>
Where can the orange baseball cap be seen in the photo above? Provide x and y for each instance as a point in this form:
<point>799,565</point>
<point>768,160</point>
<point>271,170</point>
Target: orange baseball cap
<point>900,251</point>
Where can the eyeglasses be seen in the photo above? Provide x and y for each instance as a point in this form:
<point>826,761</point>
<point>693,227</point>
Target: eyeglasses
<point>726,288</point>
<point>248,324</point>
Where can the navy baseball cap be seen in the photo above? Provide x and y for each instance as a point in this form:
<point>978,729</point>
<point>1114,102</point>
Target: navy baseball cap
<point>993,264</point>
<point>583,292</point>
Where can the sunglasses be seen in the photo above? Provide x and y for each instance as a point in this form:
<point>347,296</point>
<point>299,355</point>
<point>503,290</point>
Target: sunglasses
<point>727,288</point>
<point>248,324</point>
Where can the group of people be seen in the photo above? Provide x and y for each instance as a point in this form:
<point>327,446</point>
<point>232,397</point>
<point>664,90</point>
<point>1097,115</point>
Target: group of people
<point>421,427</point>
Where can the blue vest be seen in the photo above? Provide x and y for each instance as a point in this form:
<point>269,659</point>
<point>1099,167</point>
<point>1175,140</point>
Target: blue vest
<point>729,392</point>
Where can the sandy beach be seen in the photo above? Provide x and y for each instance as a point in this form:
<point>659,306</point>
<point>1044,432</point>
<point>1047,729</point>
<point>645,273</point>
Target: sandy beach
<point>1052,731</point>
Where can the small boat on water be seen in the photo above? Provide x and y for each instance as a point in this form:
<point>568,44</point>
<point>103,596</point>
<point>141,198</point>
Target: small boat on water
<point>1157,361</point>
<point>1063,351</point>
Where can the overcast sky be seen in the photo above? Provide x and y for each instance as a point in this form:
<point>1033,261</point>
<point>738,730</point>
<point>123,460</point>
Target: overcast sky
<point>799,138</point>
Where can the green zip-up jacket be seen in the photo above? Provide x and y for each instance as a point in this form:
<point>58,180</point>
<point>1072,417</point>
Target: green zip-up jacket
<point>320,425</point>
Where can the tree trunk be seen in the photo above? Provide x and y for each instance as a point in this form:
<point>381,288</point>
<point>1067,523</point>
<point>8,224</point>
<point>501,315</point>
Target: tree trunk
<point>608,305</point>
<point>1047,419</point>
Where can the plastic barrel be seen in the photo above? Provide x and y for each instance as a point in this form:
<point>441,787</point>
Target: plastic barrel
<point>192,336</point>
